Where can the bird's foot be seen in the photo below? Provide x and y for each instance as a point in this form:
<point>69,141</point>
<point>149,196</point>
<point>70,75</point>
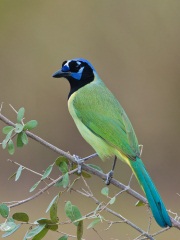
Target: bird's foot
<point>79,162</point>
<point>109,176</point>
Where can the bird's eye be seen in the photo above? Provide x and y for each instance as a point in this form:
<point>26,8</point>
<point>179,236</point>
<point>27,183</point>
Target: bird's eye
<point>74,66</point>
<point>64,63</point>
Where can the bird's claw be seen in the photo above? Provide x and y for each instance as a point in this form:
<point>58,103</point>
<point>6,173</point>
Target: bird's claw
<point>109,176</point>
<point>79,162</point>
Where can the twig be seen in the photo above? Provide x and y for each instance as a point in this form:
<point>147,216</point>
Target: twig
<point>85,167</point>
<point>41,191</point>
<point>30,170</point>
<point>104,207</point>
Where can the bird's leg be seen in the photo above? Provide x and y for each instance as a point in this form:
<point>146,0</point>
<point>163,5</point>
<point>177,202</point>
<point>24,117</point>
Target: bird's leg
<point>110,174</point>
<point>80,161</point>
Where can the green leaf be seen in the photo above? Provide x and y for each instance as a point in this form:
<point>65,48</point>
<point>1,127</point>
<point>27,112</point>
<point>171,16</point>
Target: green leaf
<point>80,230</point>
<point>59,183</point>
<point>63,167</point>
<point>55,200</point>
<point>47,171</point>
<point>30,125</point>
<point>11,148</point>
<point>72,212</point>
<point>43,221</point>
<point>95,167</point>
<point>49,224</point>
<point>65,180</point>
<point>4,144</point>
<point>85,174</point>
<point>93,223</point>
<point>18,128</point>
<point>7,129</point>
<point>33,232</point>
<point>65,237</point>
<point>20,114</point>
<point>41,234</point>
<point>18,173</point>
<point>21,216</point>
<point>4,210</point>
<point>61,159</point>
<point>62,163</point>
<point>24,138</point>
<point>4,227</point>
<point>8,136</point>
<point>105,191</point>
<point>34,186</point>
<point>52,227</point>
<point>8,233</point>
<point>112,200</point>
<point>53,213</point>
<point>139,204</point>
<point>19,140</point>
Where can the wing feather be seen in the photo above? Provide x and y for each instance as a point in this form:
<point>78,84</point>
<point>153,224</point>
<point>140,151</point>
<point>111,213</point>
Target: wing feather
<point>103,115</point>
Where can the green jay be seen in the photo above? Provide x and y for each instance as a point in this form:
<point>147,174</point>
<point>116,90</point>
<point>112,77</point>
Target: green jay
<point>103,123</point>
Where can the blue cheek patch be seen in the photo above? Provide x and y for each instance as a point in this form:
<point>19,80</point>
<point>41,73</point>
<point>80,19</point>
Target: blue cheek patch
<point>77,75</point>
<point>65,68</point>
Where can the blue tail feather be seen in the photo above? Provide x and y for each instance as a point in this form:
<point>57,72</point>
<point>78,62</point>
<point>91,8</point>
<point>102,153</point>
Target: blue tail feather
<point>154,199</point>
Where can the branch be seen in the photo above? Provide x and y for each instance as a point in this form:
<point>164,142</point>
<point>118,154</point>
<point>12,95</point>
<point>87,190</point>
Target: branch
<point>85,167</point>
<point>41,191</point>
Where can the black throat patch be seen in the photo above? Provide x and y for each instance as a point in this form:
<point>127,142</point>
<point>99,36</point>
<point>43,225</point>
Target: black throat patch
<point>86,78</point>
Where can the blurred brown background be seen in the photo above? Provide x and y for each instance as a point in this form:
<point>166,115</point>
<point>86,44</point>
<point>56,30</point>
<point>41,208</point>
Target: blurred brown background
<point>135,47</point>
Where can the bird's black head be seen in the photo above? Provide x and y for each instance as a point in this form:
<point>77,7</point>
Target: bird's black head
<point>78,72</point>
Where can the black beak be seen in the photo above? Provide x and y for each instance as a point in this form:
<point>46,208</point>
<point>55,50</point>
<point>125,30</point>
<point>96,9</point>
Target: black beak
<point>60,74</point>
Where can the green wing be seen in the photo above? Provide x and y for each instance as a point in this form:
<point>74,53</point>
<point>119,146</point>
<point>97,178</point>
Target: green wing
<point>102,114</point>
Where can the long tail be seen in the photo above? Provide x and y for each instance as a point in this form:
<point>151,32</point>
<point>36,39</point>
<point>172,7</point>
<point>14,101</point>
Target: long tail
<point>155,202</point>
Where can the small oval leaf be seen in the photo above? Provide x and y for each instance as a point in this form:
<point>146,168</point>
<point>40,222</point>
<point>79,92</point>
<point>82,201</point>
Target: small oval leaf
<point>55,200</point>
<point>72,212</point>
<point>113,199</point>
<point>8,233</point>
<point>53,213</point>
<point>4,144</point>
<point>61,159</point>
<point>18,173</point>
<point>4,210</point>
<point>21,216</point>
<point>49,224</point>
<point>24,138</point>
<point>47,171</point>
<point>30,125</point>
<point>95,167</point>
<point>65,180</point>
<point>8,136</point>
<point>33,232</point>
<point>19,142</point>
<point>34,186</point>
<point>41,234</point>
<point>93,223</point>
<point>11,148</point>
<point>62,163</point>
<point>105,191</point>
<point>18,128</point>
<point>20,114</point>
<point>7,129</point>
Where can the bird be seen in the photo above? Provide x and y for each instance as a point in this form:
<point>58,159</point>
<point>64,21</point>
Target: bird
<point>103,123</point>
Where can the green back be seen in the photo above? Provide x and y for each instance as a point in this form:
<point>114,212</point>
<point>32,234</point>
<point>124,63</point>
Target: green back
<point>102,114</point>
